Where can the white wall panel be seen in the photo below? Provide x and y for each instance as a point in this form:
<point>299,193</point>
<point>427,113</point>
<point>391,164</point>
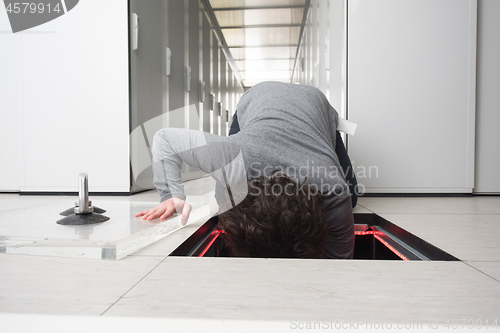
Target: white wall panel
<point>215,82</point>
<point>309,46</point>
<point>207,71</point>
<point>147,88</point>
<point>74,104</point>
<point>487,177</point>
<point>322,34</point>
<point>337,56</point>
<point>411,89</point>
<point>10,106</point>
<point>314,43</point>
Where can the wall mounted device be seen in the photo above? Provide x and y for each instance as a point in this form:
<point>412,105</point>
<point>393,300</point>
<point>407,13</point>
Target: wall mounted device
<point>327,53</point>
<point>212,102</point>
<point>188,78</point>
<point>202,91</point>
<point>168,60</point>
<point>219,109</point>
<point>316,75</point>
<point>135,31</point>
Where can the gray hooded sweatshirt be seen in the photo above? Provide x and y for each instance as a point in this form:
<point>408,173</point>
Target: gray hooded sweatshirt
<point>285,127</point>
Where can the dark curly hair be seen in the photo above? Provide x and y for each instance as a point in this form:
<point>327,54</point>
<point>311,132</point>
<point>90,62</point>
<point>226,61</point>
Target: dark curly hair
<point>279,218</point>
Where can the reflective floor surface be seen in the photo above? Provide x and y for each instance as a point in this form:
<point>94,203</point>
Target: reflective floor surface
<point>149,283</point>
<point>28,224</point>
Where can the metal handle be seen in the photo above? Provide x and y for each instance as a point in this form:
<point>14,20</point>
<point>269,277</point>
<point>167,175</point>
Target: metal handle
<point>84,206</point>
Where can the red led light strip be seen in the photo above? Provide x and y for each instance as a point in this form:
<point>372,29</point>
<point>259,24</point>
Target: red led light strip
<point>214,236</point>
<point>376,235</point>
<point>363,233</point>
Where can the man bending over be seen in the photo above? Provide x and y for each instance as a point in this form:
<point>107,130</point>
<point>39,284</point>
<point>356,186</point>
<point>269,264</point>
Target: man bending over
<point>281,188</point>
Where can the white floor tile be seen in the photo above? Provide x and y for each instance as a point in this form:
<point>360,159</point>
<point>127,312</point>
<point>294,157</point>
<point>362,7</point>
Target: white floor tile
<point>465,236</point>
<point>460,205</point>
<point>492,199</point>
<point>50,285</point>
<point>326,290</point>
<point>360,210</point>
<point>28,323</point>
<point>490,268</point>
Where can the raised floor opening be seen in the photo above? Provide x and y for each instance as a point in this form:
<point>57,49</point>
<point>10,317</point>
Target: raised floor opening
<point>375,239</point>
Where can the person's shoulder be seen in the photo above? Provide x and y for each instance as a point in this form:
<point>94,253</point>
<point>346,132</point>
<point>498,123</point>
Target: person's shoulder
<point>311,90</point>
<point>268,86</point>
<point>283,89</point>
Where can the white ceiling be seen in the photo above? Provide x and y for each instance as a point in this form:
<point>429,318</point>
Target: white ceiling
<point>262,36</point>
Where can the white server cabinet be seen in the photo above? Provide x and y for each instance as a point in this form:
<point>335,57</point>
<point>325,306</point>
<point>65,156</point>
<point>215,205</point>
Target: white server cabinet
<point>411,89</point>
<point>66,94</point>
<point>487,177</point>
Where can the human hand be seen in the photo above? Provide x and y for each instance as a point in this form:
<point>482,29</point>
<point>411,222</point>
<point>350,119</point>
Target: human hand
<point>166,209</point>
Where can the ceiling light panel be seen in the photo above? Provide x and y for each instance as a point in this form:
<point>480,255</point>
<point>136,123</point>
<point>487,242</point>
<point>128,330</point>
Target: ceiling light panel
<point>264,65</point>
<point>256,53</point>
<point>248,55</point>
<point>268,75</point>
<point>237,53</point>
<point>235,18</point>
<point>254,3</point>
<point>274,16</point>
<point>230,18</point>
<point>272,36</point>
<point>251,83</point>
<point>262,36</point>
<point>251,37</point>
<point>234,37</point>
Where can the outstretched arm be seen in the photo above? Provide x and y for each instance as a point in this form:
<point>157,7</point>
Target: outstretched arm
<point>213,154</point>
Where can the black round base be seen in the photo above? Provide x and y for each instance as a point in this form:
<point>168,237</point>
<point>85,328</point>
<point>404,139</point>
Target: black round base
<point>83,219</point>
<point>99,210</point>
<point>68,212</point>
<point>71,211</point>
